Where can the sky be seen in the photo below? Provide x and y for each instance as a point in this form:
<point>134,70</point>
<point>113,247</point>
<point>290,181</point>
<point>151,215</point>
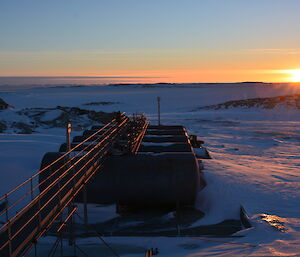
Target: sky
<point>171,40</point>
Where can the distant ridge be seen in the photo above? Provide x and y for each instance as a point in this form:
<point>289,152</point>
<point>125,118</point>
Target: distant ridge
<point>288,101</point>
<point>253,82</point>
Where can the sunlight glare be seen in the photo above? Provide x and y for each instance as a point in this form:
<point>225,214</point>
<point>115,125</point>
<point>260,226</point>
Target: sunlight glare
<point>295,75</point>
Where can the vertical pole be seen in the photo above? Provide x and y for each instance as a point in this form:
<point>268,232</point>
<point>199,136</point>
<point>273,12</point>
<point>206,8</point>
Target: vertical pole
<point>68,142</point>
<point>61,221</point>
<point>85,212</point>
<point>158,110</point>
<point>68,136</point>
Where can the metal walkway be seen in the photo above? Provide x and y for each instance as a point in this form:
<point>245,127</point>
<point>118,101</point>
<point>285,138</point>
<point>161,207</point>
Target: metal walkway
<point>29,210</point>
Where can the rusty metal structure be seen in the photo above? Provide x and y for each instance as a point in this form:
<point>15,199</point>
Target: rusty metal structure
<point>126,162</point>
<point>30,209</point>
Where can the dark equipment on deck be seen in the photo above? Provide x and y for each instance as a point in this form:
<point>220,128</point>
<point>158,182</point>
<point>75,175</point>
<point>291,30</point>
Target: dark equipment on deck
<point>126,162</point>
<point>162,174</point>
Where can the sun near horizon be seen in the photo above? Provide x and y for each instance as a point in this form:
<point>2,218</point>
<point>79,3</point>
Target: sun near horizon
<point>294,75</point>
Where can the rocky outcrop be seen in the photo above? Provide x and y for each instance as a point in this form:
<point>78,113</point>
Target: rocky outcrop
<point>28,120</point>
<point>3,126</point>
<point>22,128</point>
<point>3,105</point>
<point>289,101</point>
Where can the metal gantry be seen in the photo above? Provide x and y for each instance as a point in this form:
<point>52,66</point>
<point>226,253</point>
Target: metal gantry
<point>28,211</point>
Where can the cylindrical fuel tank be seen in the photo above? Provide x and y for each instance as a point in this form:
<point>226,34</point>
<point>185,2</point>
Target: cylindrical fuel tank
<point>165,147</point>
<point>52,172</point>
<point>46,161</point>
<point>163,132</point>
<point>150,180</point>
<point>164,139</point>
<point>166,127</point>
<point>88,133</point>
<point>77,139</point>
<point>84,147</point>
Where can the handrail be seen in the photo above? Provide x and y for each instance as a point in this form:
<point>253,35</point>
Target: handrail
<point>51,175</point>
<point>60,158</point>
<point>140,138</point>
<point>91,156</point>
<point>52,184</point>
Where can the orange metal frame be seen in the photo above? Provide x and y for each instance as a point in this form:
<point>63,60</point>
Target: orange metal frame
<point>93,154</point>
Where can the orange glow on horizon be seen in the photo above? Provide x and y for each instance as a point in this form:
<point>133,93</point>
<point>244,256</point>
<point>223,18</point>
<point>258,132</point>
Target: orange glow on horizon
<point>294,75</point>
<point>180,75</point>
<point>180,66</point>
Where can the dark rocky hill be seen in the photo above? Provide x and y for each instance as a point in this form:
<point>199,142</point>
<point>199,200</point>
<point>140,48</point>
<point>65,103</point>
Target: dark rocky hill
<point>3,105</point>
<point>289,101</point>
<point>28,120</point>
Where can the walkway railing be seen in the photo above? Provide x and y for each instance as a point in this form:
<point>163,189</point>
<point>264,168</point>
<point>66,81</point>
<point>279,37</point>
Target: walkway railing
<point>28,210</point>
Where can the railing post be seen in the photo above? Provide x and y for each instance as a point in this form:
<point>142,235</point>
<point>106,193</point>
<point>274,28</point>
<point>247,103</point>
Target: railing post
<point>68,136</point>
<point>61,219</point>
<point>85,212</point>
<point>68,142</point>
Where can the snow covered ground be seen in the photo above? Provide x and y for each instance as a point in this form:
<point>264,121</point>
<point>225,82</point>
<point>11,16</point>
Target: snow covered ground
<point>256,160</point>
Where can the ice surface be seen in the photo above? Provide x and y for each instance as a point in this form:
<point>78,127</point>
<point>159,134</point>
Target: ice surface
<point>51,115</point>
